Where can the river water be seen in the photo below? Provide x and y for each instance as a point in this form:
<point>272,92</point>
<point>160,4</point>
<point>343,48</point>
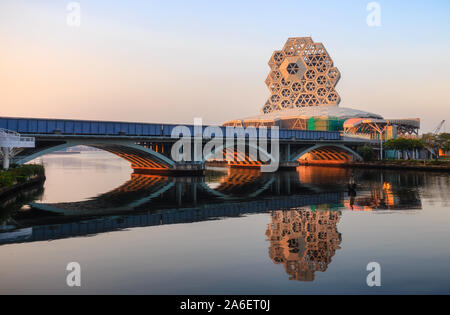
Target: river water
<point>229,232</point>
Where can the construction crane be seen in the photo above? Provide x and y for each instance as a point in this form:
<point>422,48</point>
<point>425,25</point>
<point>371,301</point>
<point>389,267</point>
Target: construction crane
<point>439,127</point>
<point>432,143</point>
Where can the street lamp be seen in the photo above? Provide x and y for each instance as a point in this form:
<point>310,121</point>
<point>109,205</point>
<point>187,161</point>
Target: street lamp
<point>381,141</point>
<point>379,126</point>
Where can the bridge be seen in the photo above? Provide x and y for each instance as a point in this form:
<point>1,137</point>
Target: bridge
<point>149,147</point>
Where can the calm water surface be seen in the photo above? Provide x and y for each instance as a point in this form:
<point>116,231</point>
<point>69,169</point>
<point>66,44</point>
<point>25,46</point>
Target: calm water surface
<point>230,232</point>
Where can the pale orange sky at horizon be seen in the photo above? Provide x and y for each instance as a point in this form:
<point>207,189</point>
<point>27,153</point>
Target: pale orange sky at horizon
<point>116,68</point>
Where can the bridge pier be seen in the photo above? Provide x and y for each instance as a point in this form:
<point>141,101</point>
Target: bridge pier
<point>179,169</point>
<point>285,158</point>
<point>194,193</point>
<point>179,194</point>
<point>288,165</point>
<point>188,168</point>
<point>6,158</point>
<point>288,183</point>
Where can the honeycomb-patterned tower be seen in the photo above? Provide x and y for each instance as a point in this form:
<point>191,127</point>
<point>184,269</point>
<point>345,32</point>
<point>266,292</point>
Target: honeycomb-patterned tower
<point>301,74</point>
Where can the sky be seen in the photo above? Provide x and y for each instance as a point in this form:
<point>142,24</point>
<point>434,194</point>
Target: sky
<point>172,61</point>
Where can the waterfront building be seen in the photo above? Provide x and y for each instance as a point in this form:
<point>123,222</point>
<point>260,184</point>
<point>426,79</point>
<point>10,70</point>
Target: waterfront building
<point>302,84</point>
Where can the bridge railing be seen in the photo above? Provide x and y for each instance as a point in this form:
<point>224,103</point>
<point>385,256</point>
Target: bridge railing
<point>12,139</point>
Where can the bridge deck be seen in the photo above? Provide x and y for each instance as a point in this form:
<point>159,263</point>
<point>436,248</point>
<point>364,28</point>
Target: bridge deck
<point>66,127</point>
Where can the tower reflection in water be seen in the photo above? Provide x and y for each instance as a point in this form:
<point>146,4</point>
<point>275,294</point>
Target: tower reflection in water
<point>304,241</point>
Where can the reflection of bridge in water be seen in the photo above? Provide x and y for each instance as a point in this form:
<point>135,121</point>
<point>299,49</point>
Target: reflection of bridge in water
<point>34,227</point>
<point>159,200</point>
<point>304,208</point>
<point>160,192</point>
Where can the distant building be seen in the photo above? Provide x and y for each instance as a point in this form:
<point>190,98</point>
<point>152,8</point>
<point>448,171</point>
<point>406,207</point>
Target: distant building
<point>301,82</point>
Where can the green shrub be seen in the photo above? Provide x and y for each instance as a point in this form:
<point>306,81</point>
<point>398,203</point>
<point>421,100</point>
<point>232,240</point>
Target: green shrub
<point>20,174</point>
<point>6,180</point>
<point>21,179</point>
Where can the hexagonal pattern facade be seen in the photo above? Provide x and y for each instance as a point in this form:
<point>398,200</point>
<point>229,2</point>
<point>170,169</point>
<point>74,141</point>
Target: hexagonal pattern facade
<point>301,74</point>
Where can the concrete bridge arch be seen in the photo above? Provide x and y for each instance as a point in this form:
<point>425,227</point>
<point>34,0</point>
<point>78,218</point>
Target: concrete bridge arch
<point>242,159</point>
<point>139,156</point>
<point>331,152</point>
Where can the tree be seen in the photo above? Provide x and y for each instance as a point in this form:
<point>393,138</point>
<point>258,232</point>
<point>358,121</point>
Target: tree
<point>446,147</point>
<point>444,141</point>
<point>366,152</point>
<point>405,145</point>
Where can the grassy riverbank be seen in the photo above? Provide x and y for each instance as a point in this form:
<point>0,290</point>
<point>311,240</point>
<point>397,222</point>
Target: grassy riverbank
<point>20,175</point>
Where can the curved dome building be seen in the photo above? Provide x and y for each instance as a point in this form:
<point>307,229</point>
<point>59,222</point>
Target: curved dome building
<point>325,117</point>
<point>302,81</point>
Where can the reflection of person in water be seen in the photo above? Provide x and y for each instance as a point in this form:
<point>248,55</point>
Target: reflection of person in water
<point>351,183</point>
<point>304,241</point>
<point>352,195</point>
